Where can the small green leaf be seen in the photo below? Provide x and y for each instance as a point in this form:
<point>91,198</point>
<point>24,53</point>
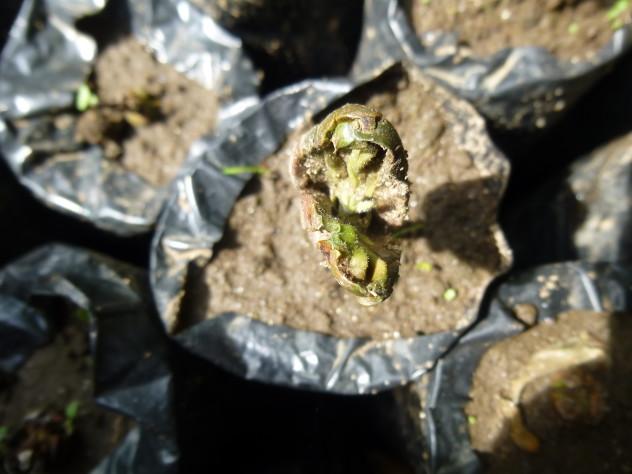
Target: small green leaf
<point>82,314</point>
<point>450,294</point>
<point>471,419</point>
<point>573,28</point>
<point>424,266</point>
<point>348,234</point>
<point>235,170</point>
<point>71,413</point>
<point>616,12</point>
<point>72,409</point>
<point>85,98</point>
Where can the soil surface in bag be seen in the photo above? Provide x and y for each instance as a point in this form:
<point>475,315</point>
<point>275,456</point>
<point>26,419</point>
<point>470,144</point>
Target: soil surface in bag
<point>266,268</point>
<point>570,29</point>
<point>557,398</point>
<point>53,390</point>
<point>147,114</point>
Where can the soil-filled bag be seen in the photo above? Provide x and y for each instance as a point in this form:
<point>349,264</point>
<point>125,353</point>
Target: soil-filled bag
<point>99,103</point>
<point>83,367</point>
<point>293,40</point>
<point>584,213</point>
<point>238,283</point>
<point>548,389</point>
<point>513,84</point>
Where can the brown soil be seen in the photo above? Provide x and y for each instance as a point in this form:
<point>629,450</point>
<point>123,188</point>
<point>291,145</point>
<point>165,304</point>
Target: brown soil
<point>557,398</point>
<point>148,114</point>
<point>54,376</point>
<point>265,267</point>
<point>571,29</point>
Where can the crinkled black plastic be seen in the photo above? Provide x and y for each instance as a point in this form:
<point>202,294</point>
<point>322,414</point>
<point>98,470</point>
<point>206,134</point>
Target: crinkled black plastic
<point>132,371</point>
<point>193,222</point>
<point>442,429</point>
<point>584,213</point>
<point>47,58</point>
<point>516,88</point>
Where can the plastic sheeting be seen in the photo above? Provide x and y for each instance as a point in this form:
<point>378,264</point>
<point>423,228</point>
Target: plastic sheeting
<point>582,214</point>
<point>516,88</point>
<point>47,58</point>
<point>193,222</point>
<point>439,425</point>
<point>132,371</point>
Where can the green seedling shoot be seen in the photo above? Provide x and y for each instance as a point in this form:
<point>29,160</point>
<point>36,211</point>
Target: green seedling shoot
<point>351,173</point>
<point>71,411</point>
<point>4,434</point>
<point>85,99</point>
<point>616,13</point>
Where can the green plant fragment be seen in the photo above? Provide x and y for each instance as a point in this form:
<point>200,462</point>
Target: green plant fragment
<point>424,266</point>
<point>236,170</point>
<point>85,98</point>
<point>450,294</point>
<point>71,411</point>
<point>616,12</point>
<point>350,170</point>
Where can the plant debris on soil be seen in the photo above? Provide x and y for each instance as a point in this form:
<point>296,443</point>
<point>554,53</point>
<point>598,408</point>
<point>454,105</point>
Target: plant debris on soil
<point>266,268</point>
<point>571,29</point>
<point>143,113</point>
<point>557,398</point>
<point>50,420</point>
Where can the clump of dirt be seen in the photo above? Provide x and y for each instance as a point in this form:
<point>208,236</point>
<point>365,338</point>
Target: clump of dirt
<point>557,398</point>
<point>571,29</point>
<point>48,411</point>
<point>148,114</point>
<point>265,267</point>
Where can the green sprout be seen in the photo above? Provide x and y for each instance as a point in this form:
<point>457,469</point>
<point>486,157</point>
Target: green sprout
<point>424,266</point>
<point>450,294</point>
<point>71,411</point>
<point>573,28</point>
<point>85,98</point>
<point>471,419</point>
<point>351,172</point>
<point>4,434</point>
<point>82,315</point>
<point>235,170</point>
<point>616,12</point>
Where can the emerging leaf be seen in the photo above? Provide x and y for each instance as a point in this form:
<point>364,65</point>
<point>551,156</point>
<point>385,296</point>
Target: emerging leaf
<point>351,172</point>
